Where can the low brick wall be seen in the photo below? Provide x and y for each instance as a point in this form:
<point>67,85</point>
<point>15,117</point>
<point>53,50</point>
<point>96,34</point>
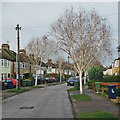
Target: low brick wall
<point>110,83</point>
<point>103,84</point>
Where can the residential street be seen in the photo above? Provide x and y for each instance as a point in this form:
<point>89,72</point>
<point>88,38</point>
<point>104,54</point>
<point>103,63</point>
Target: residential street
<point>48,102</point>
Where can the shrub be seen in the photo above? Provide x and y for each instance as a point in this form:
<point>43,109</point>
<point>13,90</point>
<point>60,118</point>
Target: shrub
<point>118,92</point>
<point>95,73</point>
<point>112,78</point>
<point>90,84</point>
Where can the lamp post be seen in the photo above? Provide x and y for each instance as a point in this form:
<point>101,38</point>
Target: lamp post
<point>68,66</point>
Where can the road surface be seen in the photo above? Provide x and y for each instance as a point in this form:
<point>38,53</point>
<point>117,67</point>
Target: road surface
<point>48,102</point>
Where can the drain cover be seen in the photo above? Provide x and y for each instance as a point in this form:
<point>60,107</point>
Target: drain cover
<point>26,107</point>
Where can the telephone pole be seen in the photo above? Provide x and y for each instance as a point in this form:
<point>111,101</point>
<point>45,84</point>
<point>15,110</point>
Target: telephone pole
<point>18,57</point>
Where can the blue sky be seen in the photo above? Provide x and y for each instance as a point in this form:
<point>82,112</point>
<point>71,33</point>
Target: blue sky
<point>35,18</point>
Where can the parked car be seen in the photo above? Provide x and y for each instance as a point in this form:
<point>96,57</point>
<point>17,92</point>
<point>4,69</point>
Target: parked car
<point>48,80</point>
<point>53,79</point>
<point>5,81</point>
<point>71,81</point>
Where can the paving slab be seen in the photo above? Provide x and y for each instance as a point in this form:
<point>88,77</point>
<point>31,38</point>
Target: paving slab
<point>97,103</point>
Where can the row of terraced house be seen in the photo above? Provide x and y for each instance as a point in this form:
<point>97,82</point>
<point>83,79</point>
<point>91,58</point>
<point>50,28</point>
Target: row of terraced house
<point>8,64</point>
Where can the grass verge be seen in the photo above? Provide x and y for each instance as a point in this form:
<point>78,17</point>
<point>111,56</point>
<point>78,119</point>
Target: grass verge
<point>103,94</point>
<point>96,114</point>
<point>18,91</point>
<point>71,89</point>
<point>56,83</point>
<point>81,97</point>
<point>37,86</point>
<point>50,84</point>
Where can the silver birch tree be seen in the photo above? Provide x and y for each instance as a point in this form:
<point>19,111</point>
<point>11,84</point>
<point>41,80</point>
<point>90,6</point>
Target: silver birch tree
<point>38,50</point>
<point>82,34</point>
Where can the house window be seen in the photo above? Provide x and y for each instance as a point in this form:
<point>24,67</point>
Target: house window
<point>116,63</point>
<point>49,68</point>
<point>2,63</point>
<point>66,72</point>
<point>23,65</point>
<point>2,76</point>
<point>8,63</point>
<point>5,63</point>
<point>5,76</point>
<point>16,64</point>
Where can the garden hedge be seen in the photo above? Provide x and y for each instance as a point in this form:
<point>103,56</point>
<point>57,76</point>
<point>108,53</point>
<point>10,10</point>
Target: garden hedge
<point>95,73</point>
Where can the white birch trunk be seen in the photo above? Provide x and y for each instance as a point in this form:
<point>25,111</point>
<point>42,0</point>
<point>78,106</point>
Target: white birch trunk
<point>85,78</point>
<point>80,76</point>
<point>60,76</point>
<point>36,79</point>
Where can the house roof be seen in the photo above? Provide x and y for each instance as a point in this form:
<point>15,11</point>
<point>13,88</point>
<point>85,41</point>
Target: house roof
<point>43,64</point>
<point>117,59</point>
<point>11,55</point>
<point>64,65</point>
<point>24,57</point>
<point>50,64</point>
<point>6,54</point>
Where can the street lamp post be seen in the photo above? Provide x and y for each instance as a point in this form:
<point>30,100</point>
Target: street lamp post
<point>68,66</point>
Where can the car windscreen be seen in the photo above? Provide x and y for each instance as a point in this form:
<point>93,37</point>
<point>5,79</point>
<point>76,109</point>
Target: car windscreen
<point>72,78</point>
<point>3,80</point>
<point>8,81</point>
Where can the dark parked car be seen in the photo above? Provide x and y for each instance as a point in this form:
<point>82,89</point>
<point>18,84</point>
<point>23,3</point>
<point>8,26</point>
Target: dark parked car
<point>71,81</point>
<point>48,80</point>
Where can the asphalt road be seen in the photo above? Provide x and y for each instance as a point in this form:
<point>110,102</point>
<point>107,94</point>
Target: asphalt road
<point>49,102</point>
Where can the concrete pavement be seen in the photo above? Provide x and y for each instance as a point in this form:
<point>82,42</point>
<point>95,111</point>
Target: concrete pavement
<point>48,102</point>
<point>97,103</point>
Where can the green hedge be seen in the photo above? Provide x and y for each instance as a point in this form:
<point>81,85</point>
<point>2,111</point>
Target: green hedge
<point>95,73</point>
<point>118,92</point>
<point>90,84</point>
<point>110,79</point>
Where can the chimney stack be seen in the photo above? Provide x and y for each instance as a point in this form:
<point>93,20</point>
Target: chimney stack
<point>22,51</point>
<point>5,46</point>
<point>50,60</point>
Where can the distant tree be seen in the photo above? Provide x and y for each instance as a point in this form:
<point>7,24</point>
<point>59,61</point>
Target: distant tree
<point>38,50</point>
<point>95,73</point>
<point>60,61</point>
